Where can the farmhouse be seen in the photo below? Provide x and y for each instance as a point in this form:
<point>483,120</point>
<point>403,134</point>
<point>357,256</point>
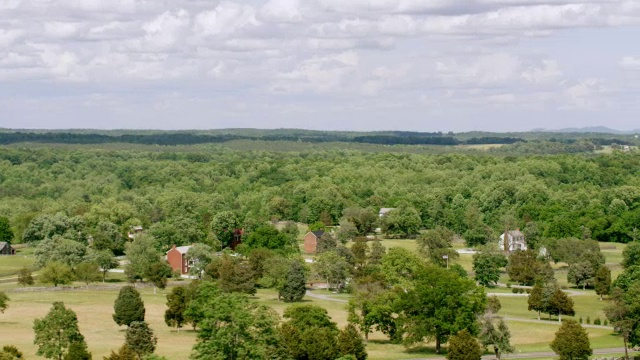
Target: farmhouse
<point>177,258</point>
<point>311,241</point>
<point>6,249</point>
<point>134,231</point>
<point>514,241</point>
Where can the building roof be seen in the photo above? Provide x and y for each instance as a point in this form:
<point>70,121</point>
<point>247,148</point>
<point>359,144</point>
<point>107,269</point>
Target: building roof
<point>386,210</point>
<point>3,244</point>
<point>515,233</point>
<point>318,233</point>
<point>181,249</point>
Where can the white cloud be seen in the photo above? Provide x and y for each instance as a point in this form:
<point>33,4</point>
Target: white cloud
<point>286,11</point>
<point>630,62</point>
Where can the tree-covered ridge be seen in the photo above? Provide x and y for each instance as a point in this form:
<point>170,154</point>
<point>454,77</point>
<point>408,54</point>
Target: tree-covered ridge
<point>175,194</point>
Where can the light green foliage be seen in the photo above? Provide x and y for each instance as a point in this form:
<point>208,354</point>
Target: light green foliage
<point>630,276</point>
<point>107,236</point>
<point>487,267</point>
<point>437,244</point>
<point>232,327</point>
<point>350,343</point>
<point>572,250</point>
<point>440,304</point>
<point>104,259</point>
<point>402,221</point>
<point>223,226</point>
<point>6,234</point>
<point>201,255</point>
<point>48,226</point>
<point>56,273</point>
<point>142,254</point>
<point>400,267</point>
<point>495,333</point>
<point>140,339</point>
<point>276,270</point>
<point>364,220</point>
<point>128,306</point>
<point>371,307</point>
<point>57,332</point>
<point>581,273</point>
<point>4,302</point>
<point>87,272</point>
<point>59,249</point>
<point>157,273</point>
<point>177,231</point>
<point>333,267</point>
<point>571,342</point>
<point>463,346</point>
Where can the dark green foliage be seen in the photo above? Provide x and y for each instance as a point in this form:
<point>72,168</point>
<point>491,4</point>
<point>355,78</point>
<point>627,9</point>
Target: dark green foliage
<point>403,221</point>
<point>309,333</point>
<point>140,339</point>
<point>232,274</point>
<point>463,346</point>
<point>487,267</point>
<point>223,227</point>
<point>177,302</point>
<point>56,273</point>
<point>630,276</point>
<point>525,268</point>
<point>57,332</point>
<point>268,237</point>
<point>631,255</point>
<point>350,343</point>
<point>495,335</point>
<point>6,234</point>
<point>25,277</point>
<point>10,352</point>
<point>78,351</point>
<point>371,307</point>
<point>440,305</point>
<point>124,353</point>
<point>4,302</point>
<point>571,342</point>
<point>128,306</point>
<point>142,254</point>
<point>157,273</point>
<point>602,281</point>
<point>232,327</point>
<point>294,287</point>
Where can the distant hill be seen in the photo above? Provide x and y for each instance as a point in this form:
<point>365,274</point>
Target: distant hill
<point>590,130</point>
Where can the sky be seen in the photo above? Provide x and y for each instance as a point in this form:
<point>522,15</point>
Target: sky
<point>420,65</point>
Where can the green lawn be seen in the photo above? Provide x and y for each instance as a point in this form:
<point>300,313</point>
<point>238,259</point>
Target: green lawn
<point>10,265</point>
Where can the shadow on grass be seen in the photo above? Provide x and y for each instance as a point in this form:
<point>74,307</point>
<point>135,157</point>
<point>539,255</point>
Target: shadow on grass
<point>418,349</point>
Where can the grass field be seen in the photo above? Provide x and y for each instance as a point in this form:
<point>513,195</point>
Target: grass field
<point>10,265</point>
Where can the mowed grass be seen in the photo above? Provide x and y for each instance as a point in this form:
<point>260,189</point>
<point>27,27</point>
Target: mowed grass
<point>10,265</point>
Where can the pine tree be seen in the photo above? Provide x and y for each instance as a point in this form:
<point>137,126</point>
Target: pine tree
<point>377,252</point>
<point>560,303</point>
<point>128,307</point>
<point>78,351</point>
<point>350,343</point>
<point>140,339</point>
<point>463,346</point>
<point>536,299</point>
<point>294,287</point>
<point>603,281</point>
<point>176,305</point>
<point>571,342</point>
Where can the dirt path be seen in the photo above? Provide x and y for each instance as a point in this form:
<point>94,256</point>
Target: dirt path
<point>539,354</point>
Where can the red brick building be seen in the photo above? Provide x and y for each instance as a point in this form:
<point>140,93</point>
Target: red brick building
<point>311,241</point>
<point>177,258</point>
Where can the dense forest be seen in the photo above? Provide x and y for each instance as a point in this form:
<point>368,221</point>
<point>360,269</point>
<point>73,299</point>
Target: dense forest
<point>176,191</point>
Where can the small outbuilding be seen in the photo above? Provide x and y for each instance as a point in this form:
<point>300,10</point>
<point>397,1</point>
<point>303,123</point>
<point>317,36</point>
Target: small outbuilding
<point>177,258</point>
<point>6,249</point>
<point>311,241</point>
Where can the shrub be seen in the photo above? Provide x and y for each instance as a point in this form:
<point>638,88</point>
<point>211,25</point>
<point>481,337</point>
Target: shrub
<point>597,321</point>
<point>588,320</point>
<point>509,285</point>
<point>580,320</point>
<point>514,290</point>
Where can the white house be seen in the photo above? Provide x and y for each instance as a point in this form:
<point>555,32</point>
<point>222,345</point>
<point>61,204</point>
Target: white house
<point>515,241</point>
<point>384,211</point>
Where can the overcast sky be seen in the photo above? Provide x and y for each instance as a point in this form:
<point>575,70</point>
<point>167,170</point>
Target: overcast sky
<point>425,65</point>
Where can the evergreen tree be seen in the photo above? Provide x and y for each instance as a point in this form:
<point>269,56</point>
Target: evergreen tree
<point>602,281</point>
<point>294,287</point>
<point>10,352</point>
<point>463,346</point>
<point>350,343</point>
<point>78,351</point>
<point>560,303</point>
<point>57,332</point>
<point>124,353</point>
<point>494,335</point>
<point>177,302</point>
<point>25,277</point>
<point>140,339</point>
<point>571,342</point>
<point>377,252</point>
<point>157,273</point>
<point>536,299</point>
<point>128,307</point>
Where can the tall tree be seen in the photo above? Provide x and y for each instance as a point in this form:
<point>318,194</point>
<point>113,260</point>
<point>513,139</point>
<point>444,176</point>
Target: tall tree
<point>536,300</point>
<point>571,342</point>
<point>177,302</point>
<point>223,227</point>
<point>140,339</point>
<point>232,274</point>
<point>437,244</point>
<point>294,287</point>
<point>158,273</point>
<point>141,253</point>
<point>350,343</point>
<point>6,234</point>
<point>57,274</point>
<point>631,254</point>
<point>581,273</point>
<point>56,332</point>
<point>105,260</point>
<point>560,303</point>
<point>619,314</point>
<point>496,335</point>
<point>128,306</point>
<point>200,255</point>
<point>525,268</point>
<point>602,281</point>
<point>371,307</point>
<point>334,268</point>
<point>487,267</point>
<point>440,304</point>
<point>309,333</point>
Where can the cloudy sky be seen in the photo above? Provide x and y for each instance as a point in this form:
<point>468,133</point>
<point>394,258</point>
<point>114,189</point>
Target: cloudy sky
<point>425,65</point>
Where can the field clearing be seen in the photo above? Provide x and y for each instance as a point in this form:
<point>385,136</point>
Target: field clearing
<point>10,265</point>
